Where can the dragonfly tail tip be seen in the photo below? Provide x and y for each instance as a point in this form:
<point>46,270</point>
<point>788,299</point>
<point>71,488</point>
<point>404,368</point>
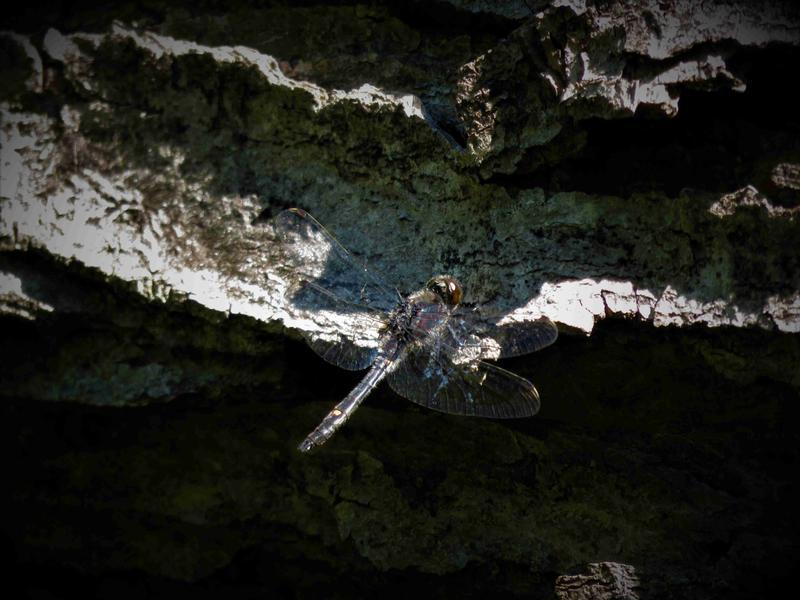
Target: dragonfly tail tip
<point>305,445</point>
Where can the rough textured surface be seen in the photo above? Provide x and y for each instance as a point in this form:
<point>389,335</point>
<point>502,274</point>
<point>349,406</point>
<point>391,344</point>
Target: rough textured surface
<point>630,170</point>
<point>605,581</point>
<point>144,215</point>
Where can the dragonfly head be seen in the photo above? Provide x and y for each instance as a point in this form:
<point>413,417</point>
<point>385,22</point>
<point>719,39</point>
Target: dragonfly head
<point>446,288</point>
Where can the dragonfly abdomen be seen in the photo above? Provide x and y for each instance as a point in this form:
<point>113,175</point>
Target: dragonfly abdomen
<point>342,411</point>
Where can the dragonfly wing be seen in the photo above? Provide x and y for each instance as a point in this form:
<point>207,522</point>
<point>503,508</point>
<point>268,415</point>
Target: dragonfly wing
<point>309,254</point>
<point>358,330</point>
<point>428,375</point>
<point>343,353</point>
<point>514,338</point>
<point>324,280</point>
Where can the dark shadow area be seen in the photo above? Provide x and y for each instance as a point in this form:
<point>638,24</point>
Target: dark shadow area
<point>104,343</point>
<point>276,569</point>
<point>635,423</point>
<point>431,17</point>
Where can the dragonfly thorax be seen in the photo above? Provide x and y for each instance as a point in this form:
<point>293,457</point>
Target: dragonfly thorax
<point>400,320</point>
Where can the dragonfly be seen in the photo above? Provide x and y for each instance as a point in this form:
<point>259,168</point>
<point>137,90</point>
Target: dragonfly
<point>427,345</point>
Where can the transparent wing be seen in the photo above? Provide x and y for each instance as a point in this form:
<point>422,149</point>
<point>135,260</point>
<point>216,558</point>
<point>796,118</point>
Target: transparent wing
<point>308,253</point>
<point>441,369</point>
<point>343,352</point>
<point>358,329</point>
<point>473,388</point>
<point>522,337</point>
<point>514,338</point>
<point>322,278</point>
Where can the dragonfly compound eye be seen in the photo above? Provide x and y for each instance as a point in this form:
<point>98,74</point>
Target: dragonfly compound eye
<point>447,288</point>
